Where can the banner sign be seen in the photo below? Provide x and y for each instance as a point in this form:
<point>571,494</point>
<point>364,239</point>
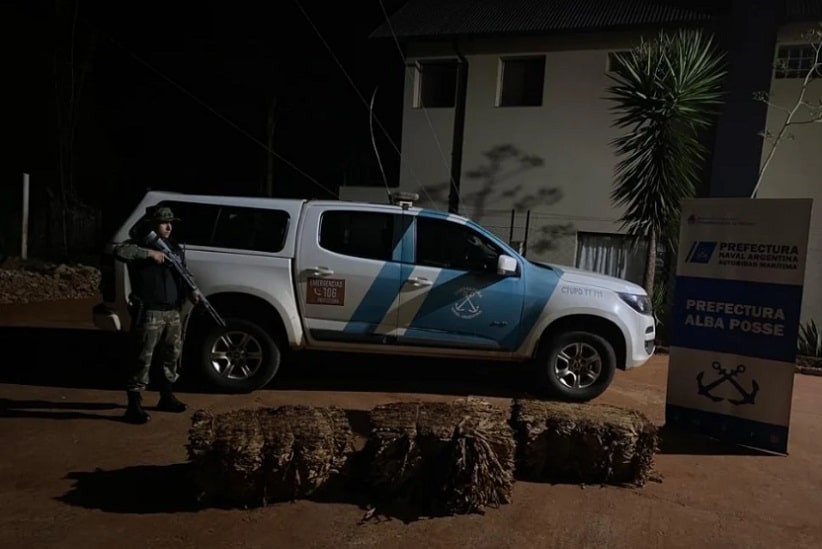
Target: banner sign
<point>735,322</point>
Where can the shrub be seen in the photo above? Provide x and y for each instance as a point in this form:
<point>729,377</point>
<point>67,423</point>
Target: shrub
<point>810,340</point>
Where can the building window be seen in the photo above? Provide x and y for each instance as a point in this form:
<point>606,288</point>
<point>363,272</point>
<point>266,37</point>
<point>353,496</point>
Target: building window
<point>521,81</point>
<point>436,84</point>
<point>619,255</point>
<point>612,55</point>
<point>796,61</point>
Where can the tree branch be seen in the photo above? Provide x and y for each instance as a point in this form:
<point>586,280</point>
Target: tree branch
<point>791,113</point>
<point>776,106</point>
<point>809,121</point>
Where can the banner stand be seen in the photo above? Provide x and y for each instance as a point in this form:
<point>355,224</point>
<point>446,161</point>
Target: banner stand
<point>736,317</point>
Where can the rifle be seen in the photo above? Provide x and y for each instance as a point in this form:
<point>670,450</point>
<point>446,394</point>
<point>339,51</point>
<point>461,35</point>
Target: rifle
<point>153,239</point>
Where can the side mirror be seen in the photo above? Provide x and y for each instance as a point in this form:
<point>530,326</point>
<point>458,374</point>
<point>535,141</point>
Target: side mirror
<point>506,265</point>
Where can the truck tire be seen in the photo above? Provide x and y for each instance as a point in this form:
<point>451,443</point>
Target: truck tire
<point>575,366</point>
<point>239,358</point>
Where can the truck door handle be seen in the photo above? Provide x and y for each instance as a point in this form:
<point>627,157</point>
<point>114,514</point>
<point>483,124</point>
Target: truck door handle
<point>321,271</point>
<point>420,281</point>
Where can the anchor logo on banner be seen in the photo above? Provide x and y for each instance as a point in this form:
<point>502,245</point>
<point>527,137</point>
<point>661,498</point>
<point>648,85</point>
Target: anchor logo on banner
<point>727,376</point>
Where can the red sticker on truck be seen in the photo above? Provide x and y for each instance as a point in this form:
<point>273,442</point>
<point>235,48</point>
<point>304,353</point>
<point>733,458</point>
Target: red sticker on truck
<point>326,291</point>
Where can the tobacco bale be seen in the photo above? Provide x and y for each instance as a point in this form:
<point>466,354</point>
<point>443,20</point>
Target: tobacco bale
<point>305,447</point>
<point>588,443</point>
<point>441,457</point>
<point>201,434</point>
<point>226,454</point>
<point>255,456</point>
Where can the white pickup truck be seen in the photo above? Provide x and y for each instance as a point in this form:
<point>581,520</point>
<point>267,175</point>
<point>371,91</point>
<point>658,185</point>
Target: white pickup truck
<point>382,278</point>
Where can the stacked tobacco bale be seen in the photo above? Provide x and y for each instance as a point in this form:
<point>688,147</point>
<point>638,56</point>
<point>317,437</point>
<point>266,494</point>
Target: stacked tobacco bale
<point>588,443</point>
<point>254,456</point>
<point>440,458</point>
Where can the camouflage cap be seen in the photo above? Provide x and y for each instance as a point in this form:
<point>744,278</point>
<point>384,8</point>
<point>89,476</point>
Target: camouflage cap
<point>162,214</point>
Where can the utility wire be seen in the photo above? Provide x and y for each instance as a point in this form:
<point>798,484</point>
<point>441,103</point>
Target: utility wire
<point>342,68</point>
<point>451,181</point>
<point>217,114</point>
<point>359,94</point>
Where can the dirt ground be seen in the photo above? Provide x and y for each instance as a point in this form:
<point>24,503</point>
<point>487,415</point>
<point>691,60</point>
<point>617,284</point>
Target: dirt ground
<point>72,475</point>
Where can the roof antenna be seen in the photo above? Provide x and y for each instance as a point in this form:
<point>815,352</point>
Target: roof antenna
<point>406,200</point>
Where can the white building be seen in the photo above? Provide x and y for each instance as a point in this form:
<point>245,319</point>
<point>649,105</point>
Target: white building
<point>795,170</point>
<point>534,144</point>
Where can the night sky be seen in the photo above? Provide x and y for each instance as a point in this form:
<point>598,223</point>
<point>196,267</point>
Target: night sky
<point>138,129</point>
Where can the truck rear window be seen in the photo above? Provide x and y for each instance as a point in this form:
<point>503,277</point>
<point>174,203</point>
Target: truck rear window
<point>236,227</point>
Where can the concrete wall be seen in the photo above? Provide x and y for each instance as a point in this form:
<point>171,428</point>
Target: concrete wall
<point>571,133</point>
<point>795,170</point>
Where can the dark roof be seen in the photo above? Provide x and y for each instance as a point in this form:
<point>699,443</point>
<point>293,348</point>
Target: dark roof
<point>449,18</point>
<point>803,10</point>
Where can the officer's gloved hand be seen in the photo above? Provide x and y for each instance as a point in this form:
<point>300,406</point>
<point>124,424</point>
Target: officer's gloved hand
<point>194,297</point>
<point>156,255</point>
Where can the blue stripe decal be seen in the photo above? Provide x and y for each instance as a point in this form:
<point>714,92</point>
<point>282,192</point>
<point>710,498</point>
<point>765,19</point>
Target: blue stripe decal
<point>507,308</point>
<point>377,300</point>
<point>436,214</point>
<point>746,432</point>
<point>539,287</point>
<point>441,294</point>
<point>404,251</point>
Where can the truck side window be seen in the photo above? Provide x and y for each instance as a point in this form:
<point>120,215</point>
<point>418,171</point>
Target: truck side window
<point>197,221</point>
<point>442,243</point>
<point>237,227</point>
<point>251,229</point>
<point>359,234</point>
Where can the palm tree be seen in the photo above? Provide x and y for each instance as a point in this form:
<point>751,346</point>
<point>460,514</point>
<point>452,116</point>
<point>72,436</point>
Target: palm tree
<point>664,92</point>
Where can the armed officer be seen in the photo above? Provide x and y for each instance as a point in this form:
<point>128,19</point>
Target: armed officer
<point>158,295</point>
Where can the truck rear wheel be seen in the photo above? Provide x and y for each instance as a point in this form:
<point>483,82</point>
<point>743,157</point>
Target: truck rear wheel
<point>576,366</point>
<point>239,358</point>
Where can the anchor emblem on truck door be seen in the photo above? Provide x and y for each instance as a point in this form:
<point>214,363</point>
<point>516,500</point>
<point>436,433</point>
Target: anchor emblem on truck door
<point>467,305</point>
<point>727,376</point>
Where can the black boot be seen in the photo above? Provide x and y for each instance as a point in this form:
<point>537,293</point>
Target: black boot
<point>168,402</point>
<point>134,412</point>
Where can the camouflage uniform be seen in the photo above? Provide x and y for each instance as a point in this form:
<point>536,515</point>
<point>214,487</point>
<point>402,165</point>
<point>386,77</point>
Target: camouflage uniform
<point>155,304</point>
<point>158,330</point>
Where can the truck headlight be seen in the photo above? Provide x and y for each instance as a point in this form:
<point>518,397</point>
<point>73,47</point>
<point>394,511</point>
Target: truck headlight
<point>639,302</point>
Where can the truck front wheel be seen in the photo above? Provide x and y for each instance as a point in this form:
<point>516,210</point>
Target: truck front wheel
<point>576,366</point>
<point>239,358</point>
